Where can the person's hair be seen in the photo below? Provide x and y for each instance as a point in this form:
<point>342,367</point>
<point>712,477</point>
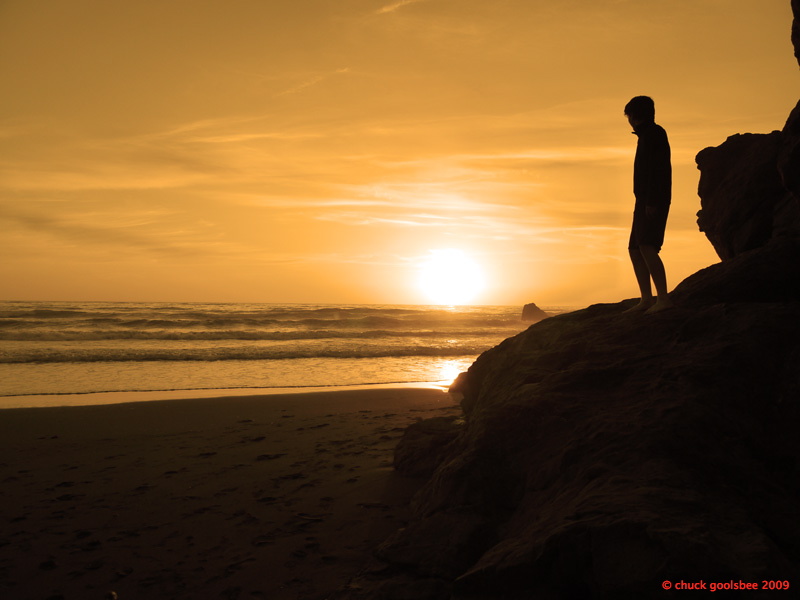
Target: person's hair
<point>641,107</point>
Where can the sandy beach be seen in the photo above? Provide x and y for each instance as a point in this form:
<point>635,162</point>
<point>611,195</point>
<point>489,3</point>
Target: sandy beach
<point>278,497</point>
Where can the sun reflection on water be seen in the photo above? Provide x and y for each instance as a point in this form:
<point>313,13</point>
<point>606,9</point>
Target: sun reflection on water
<point>450,369</point>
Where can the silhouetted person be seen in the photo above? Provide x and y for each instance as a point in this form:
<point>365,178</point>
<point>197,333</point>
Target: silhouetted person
<point>652,187</point>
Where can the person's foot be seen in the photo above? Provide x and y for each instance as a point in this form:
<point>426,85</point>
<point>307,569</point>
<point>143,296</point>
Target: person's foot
<point>659,306</point>
<point>643,306</point>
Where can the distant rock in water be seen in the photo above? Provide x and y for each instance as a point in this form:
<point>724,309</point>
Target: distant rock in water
<point>602,452</point>
<point>532,313</point>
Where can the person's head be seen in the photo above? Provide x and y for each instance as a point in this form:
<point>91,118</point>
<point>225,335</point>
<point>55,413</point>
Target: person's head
<point>640,109</point>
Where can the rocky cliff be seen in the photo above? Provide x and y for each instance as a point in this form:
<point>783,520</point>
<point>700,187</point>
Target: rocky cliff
<point>750,185</point>
<point>796,29</point>
<point>601,454</point>
<point>745,201</point>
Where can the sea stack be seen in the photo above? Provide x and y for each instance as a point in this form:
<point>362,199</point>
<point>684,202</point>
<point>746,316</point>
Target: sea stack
<point>532,313</point>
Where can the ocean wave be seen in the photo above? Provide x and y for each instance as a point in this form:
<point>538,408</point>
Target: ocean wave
<point>88,355</point>
<point>363,323</point>
<point>78,335</point>
<point>42,313</point>
<point>135,314</point>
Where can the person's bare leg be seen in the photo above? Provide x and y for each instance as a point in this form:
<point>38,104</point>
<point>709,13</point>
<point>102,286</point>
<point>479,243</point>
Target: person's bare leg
<point>643,279</point>
<point>655,267</point>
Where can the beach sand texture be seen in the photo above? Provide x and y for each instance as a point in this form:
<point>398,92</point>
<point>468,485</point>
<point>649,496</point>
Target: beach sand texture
<point>274,497</point>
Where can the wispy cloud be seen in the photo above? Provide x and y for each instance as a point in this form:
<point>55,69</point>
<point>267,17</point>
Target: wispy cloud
<point>312,82</point>
<point>130,233</point>
<point>395,6</point>
<point>249,137</point>
<point>361,219</point>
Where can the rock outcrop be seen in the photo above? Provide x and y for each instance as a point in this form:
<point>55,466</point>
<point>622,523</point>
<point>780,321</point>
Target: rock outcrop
<point>532,313</point>
<point>744,202</point>
<point>424,445</point>
<point>789,158</point>
<point>750,185</point>
<point>796,29</point>
<point>602,453</point>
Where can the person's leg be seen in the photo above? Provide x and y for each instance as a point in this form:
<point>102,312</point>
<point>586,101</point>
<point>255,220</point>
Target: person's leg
<point>655,268</point>
<point>642,273</point>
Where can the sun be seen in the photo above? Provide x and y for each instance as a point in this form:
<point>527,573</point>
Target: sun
<point>450,277</point>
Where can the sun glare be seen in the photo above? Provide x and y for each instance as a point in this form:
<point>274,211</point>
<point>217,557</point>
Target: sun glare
<point>450,277</point>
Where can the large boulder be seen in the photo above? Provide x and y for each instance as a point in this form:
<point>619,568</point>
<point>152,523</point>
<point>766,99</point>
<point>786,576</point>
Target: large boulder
<point>796,29</point>
<point>789,158</point>
<point>421,449</point>
<point>744,201</point>
<point>603,453</point>
<point>789,155</point>
<point>750,185</point>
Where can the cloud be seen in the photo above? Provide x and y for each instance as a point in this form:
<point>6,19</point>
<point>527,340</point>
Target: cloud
<point>313,81</point>
<point>389,8</point>
<point>361,219</point>
<point>152,231</point>
<point>234,138</point>
<point>62,160</point>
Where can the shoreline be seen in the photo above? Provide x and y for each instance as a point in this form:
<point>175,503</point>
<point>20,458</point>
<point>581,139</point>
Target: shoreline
<point>124,397</point>
<point>261,496</point>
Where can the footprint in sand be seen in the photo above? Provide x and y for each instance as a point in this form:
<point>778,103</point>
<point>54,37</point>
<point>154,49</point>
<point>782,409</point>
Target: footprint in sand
<point>307,518</point>
<point>290,477</point>
<point>375,505</point>
<point>309,484</point>
<point>68,497</point>
<point>263,540</point>
<point>225,491</point>
<point>270,456</point>
<point>174,472</point>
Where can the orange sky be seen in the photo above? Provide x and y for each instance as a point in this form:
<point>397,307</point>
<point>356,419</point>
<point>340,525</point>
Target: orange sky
<point>319,150</point>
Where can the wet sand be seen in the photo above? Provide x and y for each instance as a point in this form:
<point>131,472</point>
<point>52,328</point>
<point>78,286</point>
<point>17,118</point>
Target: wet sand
<point>277,497</point>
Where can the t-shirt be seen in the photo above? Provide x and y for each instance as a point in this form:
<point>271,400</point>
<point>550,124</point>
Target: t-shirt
<point>652,170</point>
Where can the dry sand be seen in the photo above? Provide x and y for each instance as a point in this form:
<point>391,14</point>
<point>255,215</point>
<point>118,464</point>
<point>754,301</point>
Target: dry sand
<point>271,497</point>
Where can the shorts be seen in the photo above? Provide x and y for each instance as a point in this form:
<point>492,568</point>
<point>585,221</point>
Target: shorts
<point>648,230</point>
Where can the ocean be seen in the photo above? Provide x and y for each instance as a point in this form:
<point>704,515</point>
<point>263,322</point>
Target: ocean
<point>59,348</point>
